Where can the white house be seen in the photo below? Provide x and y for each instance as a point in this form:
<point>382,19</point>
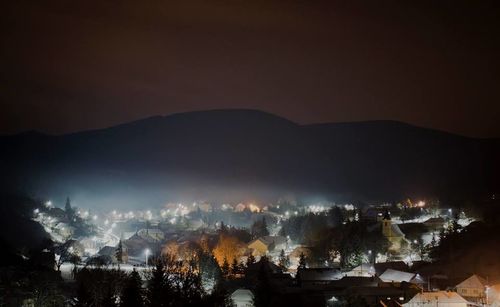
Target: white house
<point>435,299</point>
<point>473,288</point>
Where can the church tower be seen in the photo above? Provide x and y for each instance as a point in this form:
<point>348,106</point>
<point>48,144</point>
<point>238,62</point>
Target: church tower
<point>387,225</point>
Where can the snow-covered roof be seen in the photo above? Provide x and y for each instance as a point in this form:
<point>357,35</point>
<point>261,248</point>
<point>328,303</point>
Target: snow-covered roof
<point>242,297</point>
<point>268,240</point>
<point>441,297</point>
<point>107,250</point>
<point>473,282</point>
<point>391,275</point>
<point>319,274</point>
<point>396,231</point>
<point>365,269</point>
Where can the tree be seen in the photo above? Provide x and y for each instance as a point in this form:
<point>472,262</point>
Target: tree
<point>228,247</point>
<point>99,287</point>
<point>302,261</point>
<point>259,228</point>
<point>83,296</point>
<point>250,260</point>
<point>263,290</point>
<point>235,267</point>
<point>75,260</point>
<point>220,296</point>
<point>158,289</point>
<point>433,243</point>
<point>132,293</point>
<point>284,261</point>
<point>335,216</point>
<point>209,271</point>
<point>109,299</point>
<point>191,290</point>
<point>225,268</point>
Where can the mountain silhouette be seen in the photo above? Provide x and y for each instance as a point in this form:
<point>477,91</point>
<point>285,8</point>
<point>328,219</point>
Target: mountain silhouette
<point>231,155</point>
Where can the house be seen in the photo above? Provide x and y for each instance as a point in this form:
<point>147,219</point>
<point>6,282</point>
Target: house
<point>152,235</point>
<point>434,223</point>
<point>372,214</point>
<point>317,276</point>
<point>392,232</point>
<point>439,298</point>
<point>382,296</point>
<point>493,296</point>
<point>136,245</point>
<point>253,270</point>
<point>363,270</point>
<point>473,289</point>
<point>108,251</point>
<point>381,267</point>
<point>242,298</point>
<point>395,276</point>
<point>264,245</point>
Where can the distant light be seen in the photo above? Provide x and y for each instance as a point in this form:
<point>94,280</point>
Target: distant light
<point>94,217</point>
<point>253,208</point>
<point>36,211</point>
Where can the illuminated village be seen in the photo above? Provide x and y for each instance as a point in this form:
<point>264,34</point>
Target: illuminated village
<point>328,254</point>
<point>250,153</point>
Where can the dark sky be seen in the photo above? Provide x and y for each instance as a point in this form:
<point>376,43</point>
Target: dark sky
<point>73,65</point>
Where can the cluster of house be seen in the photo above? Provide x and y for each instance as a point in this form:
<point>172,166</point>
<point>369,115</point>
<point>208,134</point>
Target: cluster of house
<point>381,284</point>
<point>154,240</point>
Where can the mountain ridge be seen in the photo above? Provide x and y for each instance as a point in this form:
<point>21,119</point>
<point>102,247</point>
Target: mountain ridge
<point>251,153</point>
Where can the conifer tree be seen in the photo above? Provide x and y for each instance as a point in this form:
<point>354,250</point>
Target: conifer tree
<point>250,260</point>
<point>132,293</point>
<point>158,289</point>
<point>225,268</point>
<point>235,268</point>
<point>302,261</point>
<point>284,261</point>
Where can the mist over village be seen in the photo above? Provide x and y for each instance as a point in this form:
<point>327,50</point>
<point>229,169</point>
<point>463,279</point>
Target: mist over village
<point>249,153</point>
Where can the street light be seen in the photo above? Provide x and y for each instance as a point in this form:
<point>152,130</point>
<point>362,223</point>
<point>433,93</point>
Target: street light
<point>147,252</point>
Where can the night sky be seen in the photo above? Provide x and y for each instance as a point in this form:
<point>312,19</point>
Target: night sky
<point>73,65</point>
